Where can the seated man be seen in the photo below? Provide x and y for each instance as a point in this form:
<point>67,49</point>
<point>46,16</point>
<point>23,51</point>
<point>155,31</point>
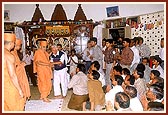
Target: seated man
<point>122,102</point>
<point>79,85</point>
<point>96,94</point>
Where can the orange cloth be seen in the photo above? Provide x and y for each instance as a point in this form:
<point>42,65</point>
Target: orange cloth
<point>22,77</point>
<point>44,73</point>
<point>18,42</point>
<point>9,37</point>
<point>12,99</point>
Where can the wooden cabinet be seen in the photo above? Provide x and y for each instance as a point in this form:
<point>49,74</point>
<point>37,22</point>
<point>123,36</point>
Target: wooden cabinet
<point>116,28</point>
<point>71,34</point>
<point>115,33</point>
<point>81,34</point>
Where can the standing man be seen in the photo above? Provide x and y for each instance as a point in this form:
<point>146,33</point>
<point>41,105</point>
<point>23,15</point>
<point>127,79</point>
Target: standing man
<point>144,50</point>
<point>97,52</point>
<point>127,54</point>
<point>13,95</point>
<point>136,58</point>
<point>161,52</point>
<point>28,59</point>
<point>103,49</point>
<point>42,66</point>
<point>59,46</point>
<point>20,71</point>
<point>86,55</point>
<point>60,72</point>
<point>73,61</point>
<point>110,60</point>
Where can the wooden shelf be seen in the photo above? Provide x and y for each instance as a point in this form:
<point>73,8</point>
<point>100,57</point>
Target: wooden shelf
<point>124,32</point>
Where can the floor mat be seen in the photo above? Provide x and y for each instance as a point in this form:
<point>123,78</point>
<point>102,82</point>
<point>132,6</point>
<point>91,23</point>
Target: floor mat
<point>39,105</point>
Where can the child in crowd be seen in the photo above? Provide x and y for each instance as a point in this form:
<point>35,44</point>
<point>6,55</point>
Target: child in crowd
<point>73,61</point>
<point>147,71</point>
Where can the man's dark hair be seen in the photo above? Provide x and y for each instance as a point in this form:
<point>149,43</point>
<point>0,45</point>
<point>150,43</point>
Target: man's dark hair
<point>140,70</point>
<point>96,64</point>
<point>140,73</point>
<point>156,73</point>
<point>146,59</point>
<point>131,79</point>
<point>93,39</point>
<point>109,41</point>
<point>81,68</point>
<point>140,38</point>
<point>119,79</point>
<point>140,67</point>
<point>104,39</point>
<point>118,68</point>
<point>122,99</point>
<point>136,39</point>
<point>95,74</point>
<point>157,91</point>
<point>73,50</point>
<point>155,106</point>
<point>126,71</point>
<point>127,40</point>
<point>160,82</point>
<point>131,91</point>
<point>157,58</point>
<point>59,45</point>
<point>88,41</point>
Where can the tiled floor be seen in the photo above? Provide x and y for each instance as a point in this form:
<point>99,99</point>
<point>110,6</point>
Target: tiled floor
<point>35,95</point>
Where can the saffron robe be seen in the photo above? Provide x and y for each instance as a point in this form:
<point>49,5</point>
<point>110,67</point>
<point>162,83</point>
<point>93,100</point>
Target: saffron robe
<point>12,99</point>
<point>44,72</point>
<point>22,77</point>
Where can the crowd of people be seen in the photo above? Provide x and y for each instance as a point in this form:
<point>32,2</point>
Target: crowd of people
<point>111,78</point>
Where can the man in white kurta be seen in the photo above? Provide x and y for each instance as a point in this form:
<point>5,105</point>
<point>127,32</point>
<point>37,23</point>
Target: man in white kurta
<point>80,90</point>
<point>136,58</point>
<point>110,96</point>
<point>60,76</point>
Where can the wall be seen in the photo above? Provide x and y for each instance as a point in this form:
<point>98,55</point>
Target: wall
<point>21,11</point>
<point>96,11</point>
<point>151,28</point>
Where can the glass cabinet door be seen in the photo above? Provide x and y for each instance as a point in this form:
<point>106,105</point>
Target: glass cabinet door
<point>82,36</point>
<point>81,43</point>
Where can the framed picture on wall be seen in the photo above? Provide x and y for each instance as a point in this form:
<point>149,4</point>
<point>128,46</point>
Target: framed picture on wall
<point>9,27</point>
<point>112,11</point>
<point>6,15</point>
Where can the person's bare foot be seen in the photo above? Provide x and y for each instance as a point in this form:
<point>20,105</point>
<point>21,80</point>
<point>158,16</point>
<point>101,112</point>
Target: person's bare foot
<point>46,100</point>
<point>58,97</point>
<point>63,97</point>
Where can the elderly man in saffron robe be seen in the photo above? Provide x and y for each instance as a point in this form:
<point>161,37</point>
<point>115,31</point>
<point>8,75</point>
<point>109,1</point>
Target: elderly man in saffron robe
<point>20,71</point>
<point>42,67</point>
<point>13,95</point>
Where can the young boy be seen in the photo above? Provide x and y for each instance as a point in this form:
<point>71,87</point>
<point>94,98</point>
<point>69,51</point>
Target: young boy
<point>110,60</point>
<point>73,61</point>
